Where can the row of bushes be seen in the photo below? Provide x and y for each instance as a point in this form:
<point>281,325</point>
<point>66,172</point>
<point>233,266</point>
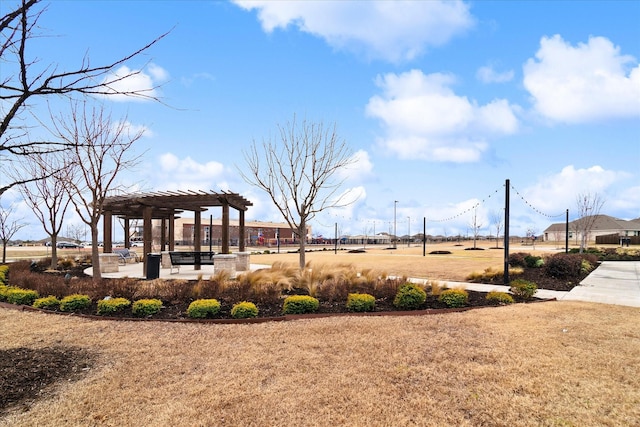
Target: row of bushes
<point>409,297</point>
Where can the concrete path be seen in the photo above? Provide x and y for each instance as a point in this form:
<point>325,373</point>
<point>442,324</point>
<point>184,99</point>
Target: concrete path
<point>613,282</point>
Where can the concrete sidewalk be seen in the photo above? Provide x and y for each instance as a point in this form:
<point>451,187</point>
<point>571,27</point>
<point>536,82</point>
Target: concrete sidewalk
<point>613,282</point>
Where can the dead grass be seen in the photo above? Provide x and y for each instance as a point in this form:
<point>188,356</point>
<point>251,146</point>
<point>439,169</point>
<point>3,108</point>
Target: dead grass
<point>549,364</point>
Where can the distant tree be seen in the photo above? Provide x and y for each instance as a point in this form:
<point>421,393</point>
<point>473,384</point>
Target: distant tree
<point>47,197</point>
<point>8,228</point>
<point>299,172</point>
<point>497,221</point>
<point>589,206</point>
<point>475,227</point>
<point>531,235</point>
<point>25,78</point>
<point>101,150</point>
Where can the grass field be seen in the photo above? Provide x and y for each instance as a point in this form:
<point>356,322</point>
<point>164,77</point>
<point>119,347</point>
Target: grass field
<point>548,364</point>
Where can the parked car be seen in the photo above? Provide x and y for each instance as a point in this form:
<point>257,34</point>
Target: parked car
<point>67,245</point>
<point>136,244</point>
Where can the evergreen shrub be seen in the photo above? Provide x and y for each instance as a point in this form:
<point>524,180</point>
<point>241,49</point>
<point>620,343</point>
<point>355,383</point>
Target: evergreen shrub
<point>48,303</point>
<point>523,288</point>
<point>501,298</point>
<point>21,296</point>
<point>409,297</point>
<point>112,305</point>
<point>454,297</point>
<point>146,307</point>
<point>202,308</point>
<point>300,304</point>
<point>244,310</point>
<point>361,302</point>
<point>75,302</point>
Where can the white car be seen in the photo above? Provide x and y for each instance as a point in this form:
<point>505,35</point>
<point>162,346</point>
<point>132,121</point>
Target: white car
<point>135,244</point>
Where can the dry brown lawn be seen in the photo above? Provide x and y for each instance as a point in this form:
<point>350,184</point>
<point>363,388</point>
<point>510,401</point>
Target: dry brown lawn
<point>549,364</point>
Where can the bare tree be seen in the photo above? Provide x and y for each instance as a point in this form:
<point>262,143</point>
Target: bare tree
<point>475,227</point>
<point>8,228</point>
<point>101,150</point>
<point>25,78</point>
<point>47,197</point>
<point>589,205</point>
<point>497,220</point>
<point>299,172</point>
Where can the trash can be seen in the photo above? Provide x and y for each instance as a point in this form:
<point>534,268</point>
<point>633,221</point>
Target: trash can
<point>153,266</point>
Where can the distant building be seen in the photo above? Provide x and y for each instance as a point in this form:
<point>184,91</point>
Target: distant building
<point>257,233</point>
<point>602,226</point>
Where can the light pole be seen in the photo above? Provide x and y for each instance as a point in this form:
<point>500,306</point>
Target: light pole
<point>409,231</point>
<point>395,234</point>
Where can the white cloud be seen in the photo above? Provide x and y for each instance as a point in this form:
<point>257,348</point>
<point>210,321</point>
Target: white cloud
<point>133,129</point>
<point>360,169</point>
<point>425,119</point>
<point>187,174</point>
<point>398,30</point>
<point>488,74</point>
<point>138,81</point>
<point>587,82</point>
<point>553,194</point>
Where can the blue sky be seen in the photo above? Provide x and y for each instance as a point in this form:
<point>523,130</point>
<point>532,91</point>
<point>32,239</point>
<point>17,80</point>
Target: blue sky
<point>441,102</point>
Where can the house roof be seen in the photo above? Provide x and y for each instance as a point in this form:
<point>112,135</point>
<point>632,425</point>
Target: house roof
<point>601,222</point>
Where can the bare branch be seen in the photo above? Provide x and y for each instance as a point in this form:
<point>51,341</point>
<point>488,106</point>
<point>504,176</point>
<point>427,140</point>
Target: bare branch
<point>299,173</point>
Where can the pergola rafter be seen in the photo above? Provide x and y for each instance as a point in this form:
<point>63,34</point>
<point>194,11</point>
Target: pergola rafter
<point>165,206</point>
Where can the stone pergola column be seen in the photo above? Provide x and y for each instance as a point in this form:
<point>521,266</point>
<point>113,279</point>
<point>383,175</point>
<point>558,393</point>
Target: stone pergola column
<point>197,237</point>
<point>107,227</point>
<point>241,236</point>
<point>127,238</point>
<point>225,228</point>
<point>172,231</point>
<point>147,233</point>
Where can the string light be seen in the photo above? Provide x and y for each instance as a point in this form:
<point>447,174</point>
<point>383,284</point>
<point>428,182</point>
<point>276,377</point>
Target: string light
<point>538,211</point>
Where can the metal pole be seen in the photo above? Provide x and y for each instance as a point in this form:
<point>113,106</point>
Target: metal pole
<point>335,245</point>
<point>506,232</point>
<point>424,236</point>
<point>409,231</point>
<point>566,233</point>
<point>210,233</point>
<point>395,233</point>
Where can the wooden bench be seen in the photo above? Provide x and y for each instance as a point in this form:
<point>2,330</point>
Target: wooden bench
<point>126,255</point>
<point>190,258</point>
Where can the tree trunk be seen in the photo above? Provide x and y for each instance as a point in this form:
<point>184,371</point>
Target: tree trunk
<point>302,235</point>
<point>95,254</point>
<point>4,252</point>
<point>54,251</point>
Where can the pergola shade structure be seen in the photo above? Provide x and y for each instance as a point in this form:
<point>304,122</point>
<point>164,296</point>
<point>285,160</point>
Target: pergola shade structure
<point>165,206</point>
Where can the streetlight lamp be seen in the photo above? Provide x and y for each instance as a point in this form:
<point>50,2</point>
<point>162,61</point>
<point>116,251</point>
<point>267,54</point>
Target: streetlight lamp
<point>395,234</point>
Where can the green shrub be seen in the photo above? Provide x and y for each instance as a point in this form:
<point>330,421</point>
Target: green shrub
<point>501,298</point>
<point>360,302</point>
<point>4,270</point>
<point>244,310</point>
<point>75,302</point>
<point>409,297</point>
<point>532,261</point>
<point>585,267</point>
<point>201,308</point>
<point>523,288</point>
<point>300,304</point>
<point>21,296</point>
<point>49,303</point>
<point>454,297</point>
<point>4,290</point>
<point>112,305</point>
<point>146,307</point>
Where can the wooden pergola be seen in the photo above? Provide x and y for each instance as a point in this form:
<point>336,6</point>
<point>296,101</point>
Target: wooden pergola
<point>165,206</point>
